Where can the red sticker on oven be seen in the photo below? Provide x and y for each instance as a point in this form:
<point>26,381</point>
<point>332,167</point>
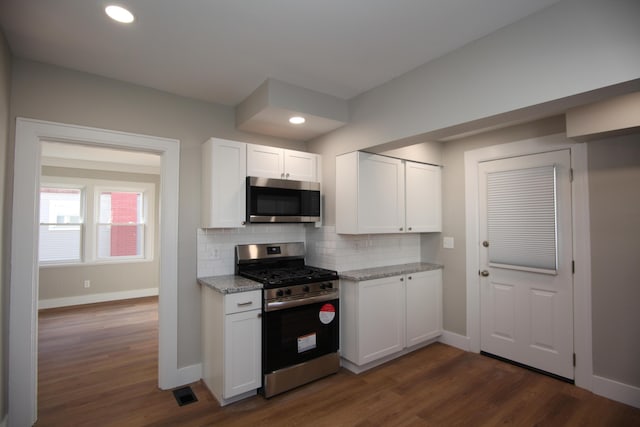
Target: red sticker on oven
<point>327,313</point>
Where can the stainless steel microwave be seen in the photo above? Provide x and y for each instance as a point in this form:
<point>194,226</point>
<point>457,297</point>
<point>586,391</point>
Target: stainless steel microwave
<point>282,200</point>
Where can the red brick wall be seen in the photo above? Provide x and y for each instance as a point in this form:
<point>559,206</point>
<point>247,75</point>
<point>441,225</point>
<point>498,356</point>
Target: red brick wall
<point>124,238</point>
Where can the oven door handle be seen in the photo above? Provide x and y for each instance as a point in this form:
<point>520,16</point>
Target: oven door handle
<point>281,305</point>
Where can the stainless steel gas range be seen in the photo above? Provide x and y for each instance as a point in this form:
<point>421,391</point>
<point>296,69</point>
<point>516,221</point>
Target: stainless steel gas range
<point>300,321</point>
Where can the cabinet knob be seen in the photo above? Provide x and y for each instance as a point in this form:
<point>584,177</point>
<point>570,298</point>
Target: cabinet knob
<point>401,228</point>
<point>243,223</point>
<point>282,175</point>
<point>410,228</point>
<point>287,175</point>
<point>484,273</point>
<point>402,279</point>
<point>409,277</point>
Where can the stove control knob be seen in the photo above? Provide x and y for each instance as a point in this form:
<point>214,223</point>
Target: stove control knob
<point>305,289</point>
<point>279,293</point>
<point>288,292</point>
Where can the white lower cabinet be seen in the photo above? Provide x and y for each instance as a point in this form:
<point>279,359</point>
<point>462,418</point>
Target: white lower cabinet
<point>232,344</point>
<point>386,317</point>
<point>423,293</point>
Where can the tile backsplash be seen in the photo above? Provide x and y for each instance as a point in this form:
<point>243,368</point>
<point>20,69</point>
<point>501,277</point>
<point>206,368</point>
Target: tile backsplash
<point>216,247</point>
<point>344,252</point>
<point>324,248</point>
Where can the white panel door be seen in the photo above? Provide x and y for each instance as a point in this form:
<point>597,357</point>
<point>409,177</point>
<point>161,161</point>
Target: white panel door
<point>423,306</point>
<point>526,260</point>
<point>242,352</point>
<point>265,161</point>
<point>381,318</point>
<point>423,198</point>
<point>300,166</point>
<point>380,194</point>
<point>224,170</point>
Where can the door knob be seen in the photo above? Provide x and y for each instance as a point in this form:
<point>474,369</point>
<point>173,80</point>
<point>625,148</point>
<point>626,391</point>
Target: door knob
<point>484,273</point>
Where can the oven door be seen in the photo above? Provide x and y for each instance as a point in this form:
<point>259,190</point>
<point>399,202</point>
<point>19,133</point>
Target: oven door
<point>298,334</point>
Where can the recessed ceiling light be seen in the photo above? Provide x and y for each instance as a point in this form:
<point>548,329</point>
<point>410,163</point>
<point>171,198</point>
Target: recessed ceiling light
<point>297,120</point>
<point>120,14</point>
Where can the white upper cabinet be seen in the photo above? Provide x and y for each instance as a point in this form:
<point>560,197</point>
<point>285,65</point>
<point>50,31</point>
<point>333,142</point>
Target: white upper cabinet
<point>423,196</point>
<point>379,194</point>
<point>301,166</point>
<point>272,162</point>
<point>224,171</point>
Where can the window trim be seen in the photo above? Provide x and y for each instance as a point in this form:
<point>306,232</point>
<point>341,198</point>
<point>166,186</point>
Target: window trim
<point>91,188</point>
<point>70,186</point>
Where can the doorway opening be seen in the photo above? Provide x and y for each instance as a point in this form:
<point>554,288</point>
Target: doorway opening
<point>23,302</point>
<point>580,241</point>
<point>98,242</point>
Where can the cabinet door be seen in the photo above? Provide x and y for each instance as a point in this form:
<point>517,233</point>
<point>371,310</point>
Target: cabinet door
<point>380,194</point>
<point>300,166</point>
<point>265,161</point>
<point>242,352</point>
<point>381,319</point>
<point>224,168</point>
<point>424,306</point>
<point>423,197</point>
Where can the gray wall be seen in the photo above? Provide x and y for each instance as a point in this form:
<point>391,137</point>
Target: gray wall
<point>614,199</point>
<point>574,52</point>
<point>56,94</point>
<point>67,281</point>
<point>5,91</point>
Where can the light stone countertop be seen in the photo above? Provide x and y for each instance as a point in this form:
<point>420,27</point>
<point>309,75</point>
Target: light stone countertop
<point>388,271</point>
<point>230,284</point>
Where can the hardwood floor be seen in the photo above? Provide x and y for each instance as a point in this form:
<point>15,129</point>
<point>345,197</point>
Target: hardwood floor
<point>98,367</point>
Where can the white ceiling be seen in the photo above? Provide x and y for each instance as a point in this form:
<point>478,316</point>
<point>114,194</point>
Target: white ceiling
<point>221,50</point>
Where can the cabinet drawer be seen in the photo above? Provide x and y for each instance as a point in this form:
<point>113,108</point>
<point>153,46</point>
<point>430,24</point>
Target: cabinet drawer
<point>242,301</point>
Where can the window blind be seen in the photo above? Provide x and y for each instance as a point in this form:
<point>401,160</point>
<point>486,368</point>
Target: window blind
<point>521,213</point>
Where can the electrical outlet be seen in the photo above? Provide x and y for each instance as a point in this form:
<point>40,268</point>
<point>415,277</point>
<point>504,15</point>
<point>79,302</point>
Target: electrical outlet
<point>447,242</point>
<point>87,283</point>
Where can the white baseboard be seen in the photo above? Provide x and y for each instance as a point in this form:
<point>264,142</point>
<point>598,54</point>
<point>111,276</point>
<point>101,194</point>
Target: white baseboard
<point>94,298</point>
<point>617,391</point>
<point>190,374</point>
<point>455,340</point>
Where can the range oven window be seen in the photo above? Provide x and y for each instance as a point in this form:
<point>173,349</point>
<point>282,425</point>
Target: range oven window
<point>298,334</point>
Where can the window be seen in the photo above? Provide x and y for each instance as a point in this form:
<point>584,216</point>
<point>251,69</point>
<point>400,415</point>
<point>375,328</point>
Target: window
<point>95,221</point>
<point>120,228</point>
<point>61,225</point>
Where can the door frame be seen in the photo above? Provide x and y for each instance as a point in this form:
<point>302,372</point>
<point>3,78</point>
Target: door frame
<point>581,241</point>
<point>23,305</point>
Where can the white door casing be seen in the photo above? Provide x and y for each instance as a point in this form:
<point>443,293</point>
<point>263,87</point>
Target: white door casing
<point>581,242</point>
<point>23,305</point>
<point>527,297</point>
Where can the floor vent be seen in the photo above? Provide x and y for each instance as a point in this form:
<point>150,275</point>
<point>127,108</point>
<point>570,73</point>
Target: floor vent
<point>184,396</point>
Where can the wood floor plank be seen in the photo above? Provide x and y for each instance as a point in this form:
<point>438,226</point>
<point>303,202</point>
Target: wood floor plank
<point>98,367</point>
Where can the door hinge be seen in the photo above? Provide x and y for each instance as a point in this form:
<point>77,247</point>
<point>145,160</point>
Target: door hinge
<point>574,359</point>
<point>571,175</point>
<point>573,267</point>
